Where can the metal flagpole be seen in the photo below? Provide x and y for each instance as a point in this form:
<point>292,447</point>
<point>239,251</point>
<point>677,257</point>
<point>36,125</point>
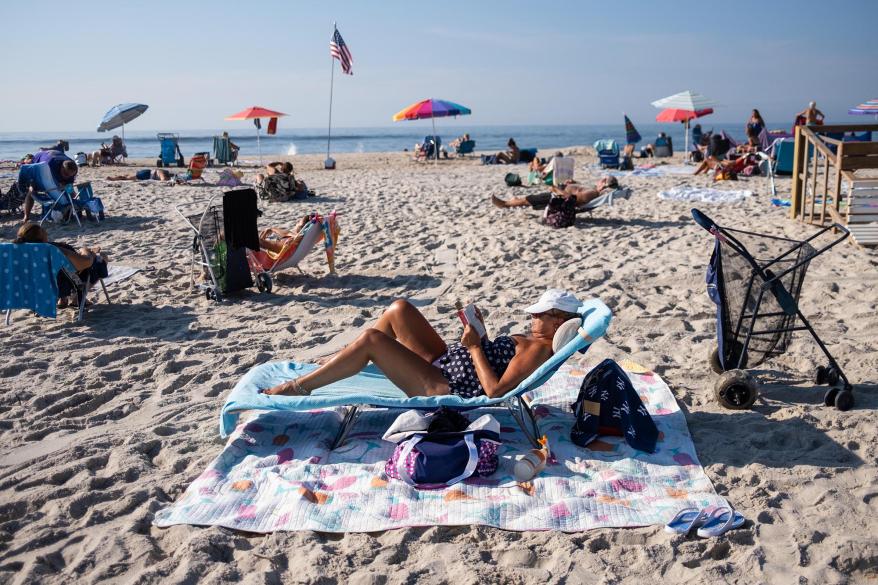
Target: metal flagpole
<point>331,84</point>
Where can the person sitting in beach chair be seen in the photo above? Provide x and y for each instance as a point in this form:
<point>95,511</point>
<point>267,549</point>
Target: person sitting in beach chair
<point>90,264</point>
<point>413,356</point>
<point>511,156</point>
<point>429,148</point>
<point>584,195</point>
<point>224,150</point>
<point>52,179</point>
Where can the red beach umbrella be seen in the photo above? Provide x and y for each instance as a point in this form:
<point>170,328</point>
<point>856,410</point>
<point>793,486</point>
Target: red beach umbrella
<point>255,113</point>
<point>675,115</point>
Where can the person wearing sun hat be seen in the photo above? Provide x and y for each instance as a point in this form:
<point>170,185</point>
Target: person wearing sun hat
<point>404,346</point>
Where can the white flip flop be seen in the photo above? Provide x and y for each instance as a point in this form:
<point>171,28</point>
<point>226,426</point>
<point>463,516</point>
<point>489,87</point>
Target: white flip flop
<point>720,521</point>
<point>687,519</point>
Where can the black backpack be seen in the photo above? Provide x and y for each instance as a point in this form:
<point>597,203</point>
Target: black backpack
<point>513,180</point>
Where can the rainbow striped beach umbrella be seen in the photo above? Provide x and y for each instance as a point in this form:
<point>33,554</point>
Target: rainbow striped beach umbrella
<point>431,108</point>
<point>869,108</point>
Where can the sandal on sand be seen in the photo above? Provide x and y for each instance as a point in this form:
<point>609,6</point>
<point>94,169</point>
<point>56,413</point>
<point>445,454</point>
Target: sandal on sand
<point>687,519</point>
<point>721,520</point>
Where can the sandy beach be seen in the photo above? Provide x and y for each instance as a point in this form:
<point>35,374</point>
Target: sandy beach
<point>104,422</point>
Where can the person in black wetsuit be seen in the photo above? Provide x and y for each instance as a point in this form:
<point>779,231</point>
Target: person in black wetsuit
<point>404,346</point>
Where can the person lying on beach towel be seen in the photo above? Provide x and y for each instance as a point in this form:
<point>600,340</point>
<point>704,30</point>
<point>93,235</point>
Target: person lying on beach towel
<point>404,346</point>
<point>583,194</point>
<point>733,166</point>
<point>279,183</point>
<point>145,175</point>
<point>89,263</point>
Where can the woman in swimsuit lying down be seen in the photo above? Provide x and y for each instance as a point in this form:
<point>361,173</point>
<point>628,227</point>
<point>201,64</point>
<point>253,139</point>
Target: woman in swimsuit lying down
<point>404,346</point>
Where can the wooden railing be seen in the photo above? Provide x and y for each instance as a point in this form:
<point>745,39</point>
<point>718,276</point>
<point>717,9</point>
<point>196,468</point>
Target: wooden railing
<point>820,164</point>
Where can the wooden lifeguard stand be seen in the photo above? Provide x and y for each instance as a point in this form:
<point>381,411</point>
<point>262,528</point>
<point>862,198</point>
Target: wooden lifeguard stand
<point>835,178</point>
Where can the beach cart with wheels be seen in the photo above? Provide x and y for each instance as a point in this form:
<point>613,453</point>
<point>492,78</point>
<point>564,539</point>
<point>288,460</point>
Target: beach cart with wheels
<point>170,153</point>
<point>224,235</point>
<point>755,280</point>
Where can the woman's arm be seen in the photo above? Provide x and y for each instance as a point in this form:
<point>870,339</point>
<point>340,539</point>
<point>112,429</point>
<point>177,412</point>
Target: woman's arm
<point>522,365</point>
<point>80,261</point>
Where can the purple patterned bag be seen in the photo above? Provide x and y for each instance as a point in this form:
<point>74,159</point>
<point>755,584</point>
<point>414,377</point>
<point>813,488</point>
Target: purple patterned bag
<point>439,459</point>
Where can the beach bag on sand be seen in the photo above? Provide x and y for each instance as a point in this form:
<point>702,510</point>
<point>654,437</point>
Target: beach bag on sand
<point>560,212</point>
<point>512,180</point>
<point>609,405</point>
<point>438,449</point>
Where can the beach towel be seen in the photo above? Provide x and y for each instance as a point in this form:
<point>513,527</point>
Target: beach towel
<point>703,194</point>
<point>276,473</point>
<point>117,273</point>
<point>30,277</point>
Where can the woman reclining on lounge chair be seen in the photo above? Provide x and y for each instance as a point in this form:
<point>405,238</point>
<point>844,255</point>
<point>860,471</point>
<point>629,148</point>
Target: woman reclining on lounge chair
<point>583,194</point>
<point>404,346</point>
<point>90,265</point>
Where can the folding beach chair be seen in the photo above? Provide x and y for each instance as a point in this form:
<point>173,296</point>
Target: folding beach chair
<point>223,153</point>
<point>465,147</point>
<point>118,151</point>
<point>32,283</point>
<point>45,191</point>
<point>608,153</point>
<point>372,388</point>
<point>265,263</point>
<point>170,153</point>
<point>663,147</point>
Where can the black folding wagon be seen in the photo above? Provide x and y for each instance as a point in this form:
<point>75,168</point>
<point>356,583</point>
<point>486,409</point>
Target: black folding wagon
<point>755,280</point>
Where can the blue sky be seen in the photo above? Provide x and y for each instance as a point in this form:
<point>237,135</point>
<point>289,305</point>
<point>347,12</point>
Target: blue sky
<point>511,62</point>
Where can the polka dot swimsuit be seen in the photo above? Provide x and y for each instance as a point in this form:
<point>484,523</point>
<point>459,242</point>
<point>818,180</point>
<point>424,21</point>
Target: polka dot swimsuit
<point>458,368</point>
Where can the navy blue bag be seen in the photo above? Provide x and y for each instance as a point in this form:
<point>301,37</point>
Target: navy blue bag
<point>608,404</point>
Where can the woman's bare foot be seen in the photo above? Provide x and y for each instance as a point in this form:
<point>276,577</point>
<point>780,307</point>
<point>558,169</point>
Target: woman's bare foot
<point>291,388</point>
<point>63,303</point>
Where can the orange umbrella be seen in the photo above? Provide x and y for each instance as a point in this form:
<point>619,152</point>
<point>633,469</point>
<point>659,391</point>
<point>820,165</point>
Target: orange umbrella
<point>254,113</point>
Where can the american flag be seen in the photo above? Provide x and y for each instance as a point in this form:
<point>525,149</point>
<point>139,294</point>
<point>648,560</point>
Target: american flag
<point>339,50</point>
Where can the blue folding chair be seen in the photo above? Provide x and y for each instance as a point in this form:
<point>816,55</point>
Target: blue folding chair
<point>608,153</point>
<point>46,191</point>
<point>466,147</point>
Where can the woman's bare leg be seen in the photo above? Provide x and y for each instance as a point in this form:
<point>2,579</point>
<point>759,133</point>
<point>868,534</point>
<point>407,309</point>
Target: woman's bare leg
<point>406,369</point>
<point>514,202</point>
<point>405,323</point>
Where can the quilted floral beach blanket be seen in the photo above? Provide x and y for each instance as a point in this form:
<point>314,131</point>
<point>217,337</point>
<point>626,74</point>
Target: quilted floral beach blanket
<point>276,473</point>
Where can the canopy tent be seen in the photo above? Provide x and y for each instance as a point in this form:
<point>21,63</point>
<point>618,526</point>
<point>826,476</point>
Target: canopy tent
<point>431,108</point>
<point>687,101</point>
<point>255,113</point>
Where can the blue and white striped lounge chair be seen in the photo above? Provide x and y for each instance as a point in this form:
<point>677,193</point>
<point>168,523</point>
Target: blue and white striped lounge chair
<point>372,388</point>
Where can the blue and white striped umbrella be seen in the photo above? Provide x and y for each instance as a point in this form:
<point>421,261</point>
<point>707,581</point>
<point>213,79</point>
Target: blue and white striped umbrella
<point>120,115</point>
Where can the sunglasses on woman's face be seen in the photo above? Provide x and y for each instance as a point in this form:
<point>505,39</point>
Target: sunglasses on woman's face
<point>548,315</point>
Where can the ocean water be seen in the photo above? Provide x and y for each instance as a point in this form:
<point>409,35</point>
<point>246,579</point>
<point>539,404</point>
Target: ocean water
<point>292,141</point>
